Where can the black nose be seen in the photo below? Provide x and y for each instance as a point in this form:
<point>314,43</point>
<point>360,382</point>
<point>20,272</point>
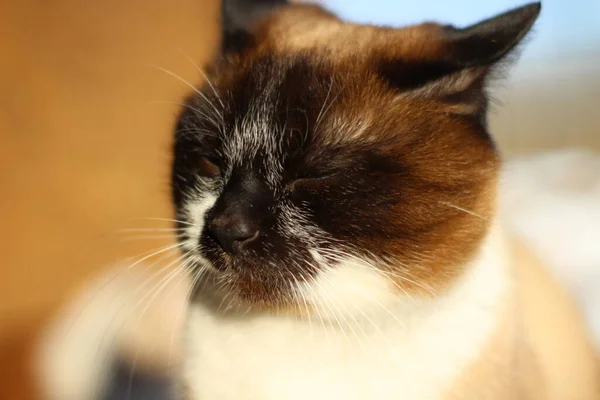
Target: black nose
<point>232,233</point>
<point>238,214</point>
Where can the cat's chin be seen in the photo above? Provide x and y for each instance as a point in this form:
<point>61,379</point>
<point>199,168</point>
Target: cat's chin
<point>235,286</point>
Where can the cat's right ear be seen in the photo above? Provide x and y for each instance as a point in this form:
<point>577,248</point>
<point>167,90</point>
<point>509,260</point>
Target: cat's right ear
<point>238,18</point>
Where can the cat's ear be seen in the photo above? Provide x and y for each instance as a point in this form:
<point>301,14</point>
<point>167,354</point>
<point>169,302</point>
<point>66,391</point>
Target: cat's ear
<point>489,41</point>
<point>237,18</point>
<point>462,56</point>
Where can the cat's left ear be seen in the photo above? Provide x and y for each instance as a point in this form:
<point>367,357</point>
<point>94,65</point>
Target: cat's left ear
<point>461,57</point>
<point>238,17</point>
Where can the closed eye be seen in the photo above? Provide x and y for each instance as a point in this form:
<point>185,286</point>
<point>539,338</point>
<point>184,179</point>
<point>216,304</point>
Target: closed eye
<point>319,177</point>
<point>208,167</point>
<point>311,179</point>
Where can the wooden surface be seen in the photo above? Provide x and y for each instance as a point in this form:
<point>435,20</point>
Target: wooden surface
<point>84,144</point>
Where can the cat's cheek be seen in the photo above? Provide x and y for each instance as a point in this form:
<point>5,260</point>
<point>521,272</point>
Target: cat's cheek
<point>351,281</point>
<point>195,210</point>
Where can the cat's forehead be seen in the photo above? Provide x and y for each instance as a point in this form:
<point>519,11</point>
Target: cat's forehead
<point>304,95</point>
<point>307,70</point>
<point>311,28</point>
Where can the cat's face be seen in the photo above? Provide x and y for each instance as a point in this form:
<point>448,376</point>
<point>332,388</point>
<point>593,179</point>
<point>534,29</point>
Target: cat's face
<point>334,158</point>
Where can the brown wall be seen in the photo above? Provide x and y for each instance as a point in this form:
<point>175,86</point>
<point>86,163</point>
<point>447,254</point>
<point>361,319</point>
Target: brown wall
<point>84,147</point>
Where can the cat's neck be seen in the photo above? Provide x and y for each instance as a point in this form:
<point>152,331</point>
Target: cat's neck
<point>399,346</point>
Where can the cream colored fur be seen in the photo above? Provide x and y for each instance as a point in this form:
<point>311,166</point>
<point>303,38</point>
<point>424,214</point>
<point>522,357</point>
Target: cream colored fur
<point>491,320</point>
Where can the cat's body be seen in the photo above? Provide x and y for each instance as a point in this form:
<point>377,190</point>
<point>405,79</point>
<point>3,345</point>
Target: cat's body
<point>507,331</point>
<point>418,348</point>
<point>337,190</point>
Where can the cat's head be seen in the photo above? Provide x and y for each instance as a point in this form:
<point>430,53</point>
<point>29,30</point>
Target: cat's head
<point>323,158</point>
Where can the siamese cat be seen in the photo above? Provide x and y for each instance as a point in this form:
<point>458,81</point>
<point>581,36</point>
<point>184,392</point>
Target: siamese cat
<point>336,186</point>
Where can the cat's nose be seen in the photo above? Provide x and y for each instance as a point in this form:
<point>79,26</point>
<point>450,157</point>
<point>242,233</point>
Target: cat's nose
<point>232,232</point>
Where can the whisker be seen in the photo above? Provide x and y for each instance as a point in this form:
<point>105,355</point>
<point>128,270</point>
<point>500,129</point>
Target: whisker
<point>203,75</point>
<point>324,113</point>
<point>349,325</point>
<point>196,278</point>
<point>153,276</point>
<point>196,110</point>
<point>409,280</point>
<point>168,220</point>
<point>464,210</point>
<point>373,268</point>
<point>334,314</point>
<point>127,230</point>
<point>193,132</point>
<point>341,256</point>
<point>146,237</point>
<point>179,270</point>
<point>318,120</point>
<point>317,298</point>
<point>175,246</point>
<point>164,252</point>
<point>308,311</point>
<point>194,88</point>
<point>116,320</point>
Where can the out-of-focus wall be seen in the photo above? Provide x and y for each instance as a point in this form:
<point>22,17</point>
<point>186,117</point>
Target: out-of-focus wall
<point>84,144</point>
<point>550,104</point>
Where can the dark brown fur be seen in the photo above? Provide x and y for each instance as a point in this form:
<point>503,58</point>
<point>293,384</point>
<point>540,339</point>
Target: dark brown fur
<point>431,158</point>
<point>396,118</point>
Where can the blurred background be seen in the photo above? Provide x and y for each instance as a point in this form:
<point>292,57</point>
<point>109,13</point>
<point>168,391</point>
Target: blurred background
<point>86,115</point>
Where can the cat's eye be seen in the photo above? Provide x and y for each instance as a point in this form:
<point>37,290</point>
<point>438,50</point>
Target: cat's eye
<point>310,179</point>
<point>208,167</point>
<point>319,177</point>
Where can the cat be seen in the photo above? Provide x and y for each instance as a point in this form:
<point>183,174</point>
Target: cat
<point>336,186</point>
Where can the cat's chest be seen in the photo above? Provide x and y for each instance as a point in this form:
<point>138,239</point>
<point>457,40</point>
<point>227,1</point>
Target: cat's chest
<point>415,350</point>
<point>274,359</point>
